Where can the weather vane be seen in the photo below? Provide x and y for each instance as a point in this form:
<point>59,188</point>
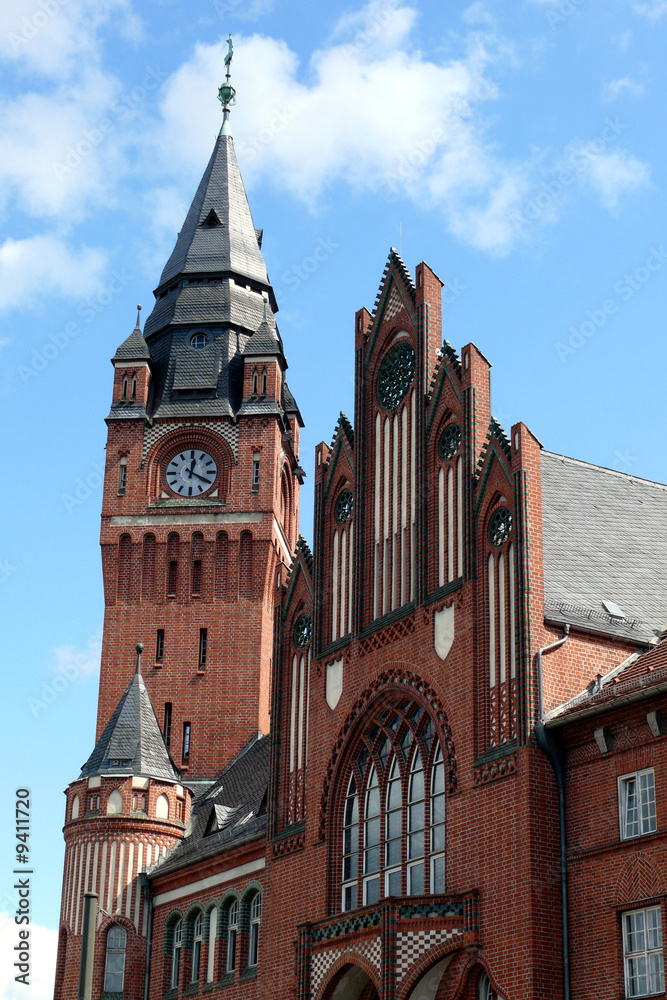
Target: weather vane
<point>226,93</point>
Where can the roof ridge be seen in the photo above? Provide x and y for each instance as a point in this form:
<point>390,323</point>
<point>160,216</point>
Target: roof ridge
<point>605,468</point>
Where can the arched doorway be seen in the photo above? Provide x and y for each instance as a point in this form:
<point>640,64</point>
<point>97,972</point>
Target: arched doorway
<point>352,983</point>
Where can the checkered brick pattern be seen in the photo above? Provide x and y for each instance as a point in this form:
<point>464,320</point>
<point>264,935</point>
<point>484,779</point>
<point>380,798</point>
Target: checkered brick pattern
<point>371,949</point>
<point>394,305</point>
<point>411,946</point>
<point>227,431</point>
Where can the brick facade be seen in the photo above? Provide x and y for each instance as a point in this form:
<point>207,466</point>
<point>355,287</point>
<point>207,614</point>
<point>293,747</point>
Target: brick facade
<point>399,658</point>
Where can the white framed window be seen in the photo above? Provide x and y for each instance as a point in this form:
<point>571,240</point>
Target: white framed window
<point>393,823</point>
<point>114,970</point>
<point>255,921</point>
<point>176,953</point>
<point>350,846</point>
<point>636,804</point>
<point>196,947</point>
<point>232,931</point>
<point>642,952</point>
<point>372,840</point>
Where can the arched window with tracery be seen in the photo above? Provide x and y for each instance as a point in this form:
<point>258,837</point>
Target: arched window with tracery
<point>393,813</point>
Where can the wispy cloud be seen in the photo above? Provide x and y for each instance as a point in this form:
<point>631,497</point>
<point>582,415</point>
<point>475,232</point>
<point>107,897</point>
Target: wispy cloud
<point>45,264</point>
<point>428,139</point>
<point>625,85</point>
<point>613,173</point>
<point>43,948</point>
<point>653,9</point>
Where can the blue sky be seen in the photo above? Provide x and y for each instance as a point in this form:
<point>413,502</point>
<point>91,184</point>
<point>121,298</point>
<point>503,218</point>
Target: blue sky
<point>518,146</point>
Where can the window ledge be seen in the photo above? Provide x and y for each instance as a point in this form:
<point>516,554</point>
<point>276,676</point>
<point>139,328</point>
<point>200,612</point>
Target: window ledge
<point>171,994</point>
<point>191,990</point>
<point>158,665</point>
<point>504,750</point>
<point>250,973</point>
<point>227,980</point>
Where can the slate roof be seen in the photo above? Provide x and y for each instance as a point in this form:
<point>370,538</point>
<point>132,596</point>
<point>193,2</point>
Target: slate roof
<point>236,802</point>
<point>132,742</point>
<point>134,348</point>
<point>605,539</point>
<point>232,245</point>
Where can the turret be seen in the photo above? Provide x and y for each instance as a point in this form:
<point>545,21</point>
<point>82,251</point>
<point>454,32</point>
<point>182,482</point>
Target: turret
<point>126,809</point>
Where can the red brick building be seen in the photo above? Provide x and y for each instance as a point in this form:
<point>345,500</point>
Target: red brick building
<point>351,764</point>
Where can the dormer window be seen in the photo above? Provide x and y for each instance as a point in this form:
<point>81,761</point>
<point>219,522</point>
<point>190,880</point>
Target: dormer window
<point>198,340</point>
<point>211,220</point>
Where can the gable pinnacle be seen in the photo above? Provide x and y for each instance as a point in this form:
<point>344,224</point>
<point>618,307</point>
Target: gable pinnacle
<point>138,326</point>
<point>226,93</point>
<point>139,648</point>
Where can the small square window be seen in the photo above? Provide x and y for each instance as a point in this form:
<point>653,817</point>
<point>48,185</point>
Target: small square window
<point>642,952</point>
<point>636,802</point>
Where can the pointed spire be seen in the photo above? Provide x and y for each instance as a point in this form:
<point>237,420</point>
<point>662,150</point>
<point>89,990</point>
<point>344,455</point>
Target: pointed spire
<point>134,348</point>
<point>226,93</point>
<point>132,741</point>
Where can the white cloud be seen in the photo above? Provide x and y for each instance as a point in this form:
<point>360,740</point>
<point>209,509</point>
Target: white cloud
<point>62,150</point>
<point>73,661</point>
<point>653,10</point>
<point>53,37</point>
<point>624,85</point>
<point>44,265</point>
<point>611,173</point>
<point>43,947</point>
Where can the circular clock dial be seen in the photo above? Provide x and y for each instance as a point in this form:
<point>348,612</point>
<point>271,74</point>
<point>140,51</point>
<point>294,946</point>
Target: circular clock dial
<point>396,374</point>
<point>191,472</point>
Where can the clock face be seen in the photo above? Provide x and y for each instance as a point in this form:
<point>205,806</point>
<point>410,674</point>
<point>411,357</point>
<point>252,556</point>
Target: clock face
<point>191,472</point>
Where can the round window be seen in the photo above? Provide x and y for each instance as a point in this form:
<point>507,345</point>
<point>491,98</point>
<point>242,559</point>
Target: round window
<point>302,631</point>
<point>198,340</point>
<point>344,505</point>
<point>500,526</point>
<point>449,442</point>
<point>396,374</point>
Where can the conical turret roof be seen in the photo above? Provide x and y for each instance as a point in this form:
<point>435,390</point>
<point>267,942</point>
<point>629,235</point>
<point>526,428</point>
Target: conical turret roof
<point>132,742</point>
<point>218,233</point>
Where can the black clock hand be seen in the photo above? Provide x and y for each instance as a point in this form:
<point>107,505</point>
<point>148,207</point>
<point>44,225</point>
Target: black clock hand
<point>196,474</point>
<point>191,469</point>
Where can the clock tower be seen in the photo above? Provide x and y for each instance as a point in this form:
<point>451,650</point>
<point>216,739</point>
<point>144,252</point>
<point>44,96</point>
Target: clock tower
<point>201,491</point>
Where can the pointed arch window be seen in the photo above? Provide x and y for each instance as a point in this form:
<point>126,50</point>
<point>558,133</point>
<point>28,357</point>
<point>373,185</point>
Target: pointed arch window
<point>176,953</point>
<point>114,968</point>
<point>133,391</point>
<point>197,933</point>
<point>123,395</point>
<point>232,931</point>
<point>255,921</point>
<point>393,830</point>
<point>264,382</point>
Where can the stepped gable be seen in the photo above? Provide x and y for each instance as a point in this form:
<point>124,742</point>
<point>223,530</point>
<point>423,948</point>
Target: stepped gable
<point>230,813</point>
<point>132,741</point>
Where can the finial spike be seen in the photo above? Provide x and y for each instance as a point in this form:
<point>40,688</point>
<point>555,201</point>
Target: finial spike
<point>138,327</point>
<point>139,648</point>
<point>226,93</point>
